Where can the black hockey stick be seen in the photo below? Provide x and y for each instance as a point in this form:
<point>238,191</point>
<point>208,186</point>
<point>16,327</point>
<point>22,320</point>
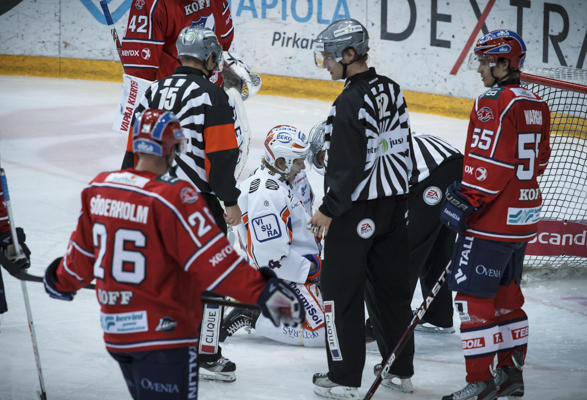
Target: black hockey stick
<point>113,32</point>
<point>19,255</point>
<point>23,275</point>
<point>408,332</point>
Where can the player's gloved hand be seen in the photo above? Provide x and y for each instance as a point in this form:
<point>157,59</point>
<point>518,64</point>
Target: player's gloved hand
<point>314,275</point>
<point>50,282</point>
<point>456,208</point>
<point>279,302</point>
<point>7,245</point>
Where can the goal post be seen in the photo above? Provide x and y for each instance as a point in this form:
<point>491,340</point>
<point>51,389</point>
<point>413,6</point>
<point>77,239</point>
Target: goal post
<point>560,248</point>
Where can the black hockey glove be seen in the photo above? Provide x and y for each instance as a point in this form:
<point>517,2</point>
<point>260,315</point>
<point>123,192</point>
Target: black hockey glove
<point>279,302</point>
<point>6,242</point>
<point>50,282</point>
<point>456,208</point>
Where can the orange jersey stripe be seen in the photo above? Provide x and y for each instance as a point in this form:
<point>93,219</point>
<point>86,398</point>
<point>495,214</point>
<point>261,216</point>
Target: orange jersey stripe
<point>220,137</point>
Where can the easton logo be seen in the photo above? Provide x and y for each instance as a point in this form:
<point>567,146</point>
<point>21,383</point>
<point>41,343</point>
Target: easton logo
<point>485,114</point>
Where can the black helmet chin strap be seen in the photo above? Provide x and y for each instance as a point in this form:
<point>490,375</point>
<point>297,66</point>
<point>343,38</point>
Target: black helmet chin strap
<point>344,66</point>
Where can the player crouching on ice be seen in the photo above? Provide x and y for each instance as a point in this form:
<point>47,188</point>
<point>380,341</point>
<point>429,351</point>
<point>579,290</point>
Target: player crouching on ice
<point>276,201</point>
<point>150,242</point>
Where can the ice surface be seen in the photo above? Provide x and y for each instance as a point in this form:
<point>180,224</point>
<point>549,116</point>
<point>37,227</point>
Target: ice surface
<point>55,136</point>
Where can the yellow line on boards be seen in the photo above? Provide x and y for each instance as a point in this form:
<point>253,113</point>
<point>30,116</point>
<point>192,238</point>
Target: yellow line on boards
<point>273,85</point>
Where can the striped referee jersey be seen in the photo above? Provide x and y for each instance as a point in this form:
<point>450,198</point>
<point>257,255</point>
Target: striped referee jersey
<point>367,137</point>
<point>208,121</point>
<point>428,152</point>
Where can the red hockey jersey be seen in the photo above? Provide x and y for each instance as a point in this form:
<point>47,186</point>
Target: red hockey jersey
<point>148,47</point>
<point>507,149</point>
<point>153,247</point>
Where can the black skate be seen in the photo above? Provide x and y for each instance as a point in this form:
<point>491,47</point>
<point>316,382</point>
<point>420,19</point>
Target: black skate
<point>238,318</point>
<point>475,391</point>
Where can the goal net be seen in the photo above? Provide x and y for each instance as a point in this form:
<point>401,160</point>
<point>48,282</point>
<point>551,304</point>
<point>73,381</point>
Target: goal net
<point>560,248</point>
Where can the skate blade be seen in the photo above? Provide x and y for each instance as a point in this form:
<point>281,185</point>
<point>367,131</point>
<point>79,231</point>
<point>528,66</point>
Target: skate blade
<point>337,392</point>
<point>434,329</point>
<point>217,376</point>
<point>405,385</point>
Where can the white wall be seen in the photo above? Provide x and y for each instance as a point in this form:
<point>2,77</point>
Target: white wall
<point>418,48</point>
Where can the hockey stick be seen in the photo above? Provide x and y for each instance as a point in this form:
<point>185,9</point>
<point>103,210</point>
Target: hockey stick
<point>23,276</point>
<point>19,255</point>
<point>408,332</point>
<point>113,32</point>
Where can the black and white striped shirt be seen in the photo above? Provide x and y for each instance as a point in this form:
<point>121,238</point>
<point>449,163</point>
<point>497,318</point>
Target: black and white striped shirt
<point>428,152</point>
<point>207,120</point>
<point>367,137</point>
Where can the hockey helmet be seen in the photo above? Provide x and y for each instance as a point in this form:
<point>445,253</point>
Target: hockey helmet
<point>287,142</point>
<point>316,146</point>
<point>341,35</point>
<point>200,43</point>
<point>157,132</point>
<point>498,44</point>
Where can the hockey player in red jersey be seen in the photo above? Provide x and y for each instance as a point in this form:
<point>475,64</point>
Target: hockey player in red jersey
<point>148,47</point>
<point>151,244</point>
<point>495,209</point>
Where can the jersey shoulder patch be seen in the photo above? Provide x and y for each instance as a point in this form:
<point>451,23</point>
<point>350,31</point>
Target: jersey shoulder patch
<point>492,93</point>
<point>254,186</point>
<point>171,180</point>
<point>271,184</point>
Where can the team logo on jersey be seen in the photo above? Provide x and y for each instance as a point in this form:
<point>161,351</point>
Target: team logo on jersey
<point>139,4</point>
<point>366,228</point>
<point>481,174</point>
<point>188,195</point>
<point>523,216</point>
<point>432,195</point>
<point>485,114</point>
<point>146,54</point>
<point>166,324</point>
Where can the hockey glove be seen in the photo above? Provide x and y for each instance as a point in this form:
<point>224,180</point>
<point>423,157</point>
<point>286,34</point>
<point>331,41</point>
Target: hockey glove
<point>456,208</point>
<point>50,282</point>
<point>279,302</point>
<point>8,247</point>
<point>314,276</point>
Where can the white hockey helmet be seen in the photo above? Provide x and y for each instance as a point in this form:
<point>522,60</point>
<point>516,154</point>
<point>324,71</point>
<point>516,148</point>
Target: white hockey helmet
<point>316,146</point>
<point>287,142</point>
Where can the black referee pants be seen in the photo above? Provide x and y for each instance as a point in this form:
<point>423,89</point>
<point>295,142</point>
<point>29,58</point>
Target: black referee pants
<point>431,243</point>
<point>372,270</point>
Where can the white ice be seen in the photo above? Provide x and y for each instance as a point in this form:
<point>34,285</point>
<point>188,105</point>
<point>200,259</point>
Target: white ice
<point>55,137</point>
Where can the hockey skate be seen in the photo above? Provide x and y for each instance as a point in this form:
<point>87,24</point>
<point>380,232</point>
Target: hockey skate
<point>394,382</point>
<point>237,319</point>
<point>324,387</point>
<point>219,370</point>
<point>509,380</point>
<point>431,328</point>
<point>475,391</point>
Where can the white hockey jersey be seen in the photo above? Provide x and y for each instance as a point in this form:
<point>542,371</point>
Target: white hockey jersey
<point>303,189</point>
<point>274,230</point>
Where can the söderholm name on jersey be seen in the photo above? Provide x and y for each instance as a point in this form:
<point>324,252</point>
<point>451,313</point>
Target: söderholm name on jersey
<point>118,209</point>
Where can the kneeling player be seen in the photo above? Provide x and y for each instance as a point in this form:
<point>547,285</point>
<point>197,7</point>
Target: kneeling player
<point>276,201</point>
<point>150,242</point>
